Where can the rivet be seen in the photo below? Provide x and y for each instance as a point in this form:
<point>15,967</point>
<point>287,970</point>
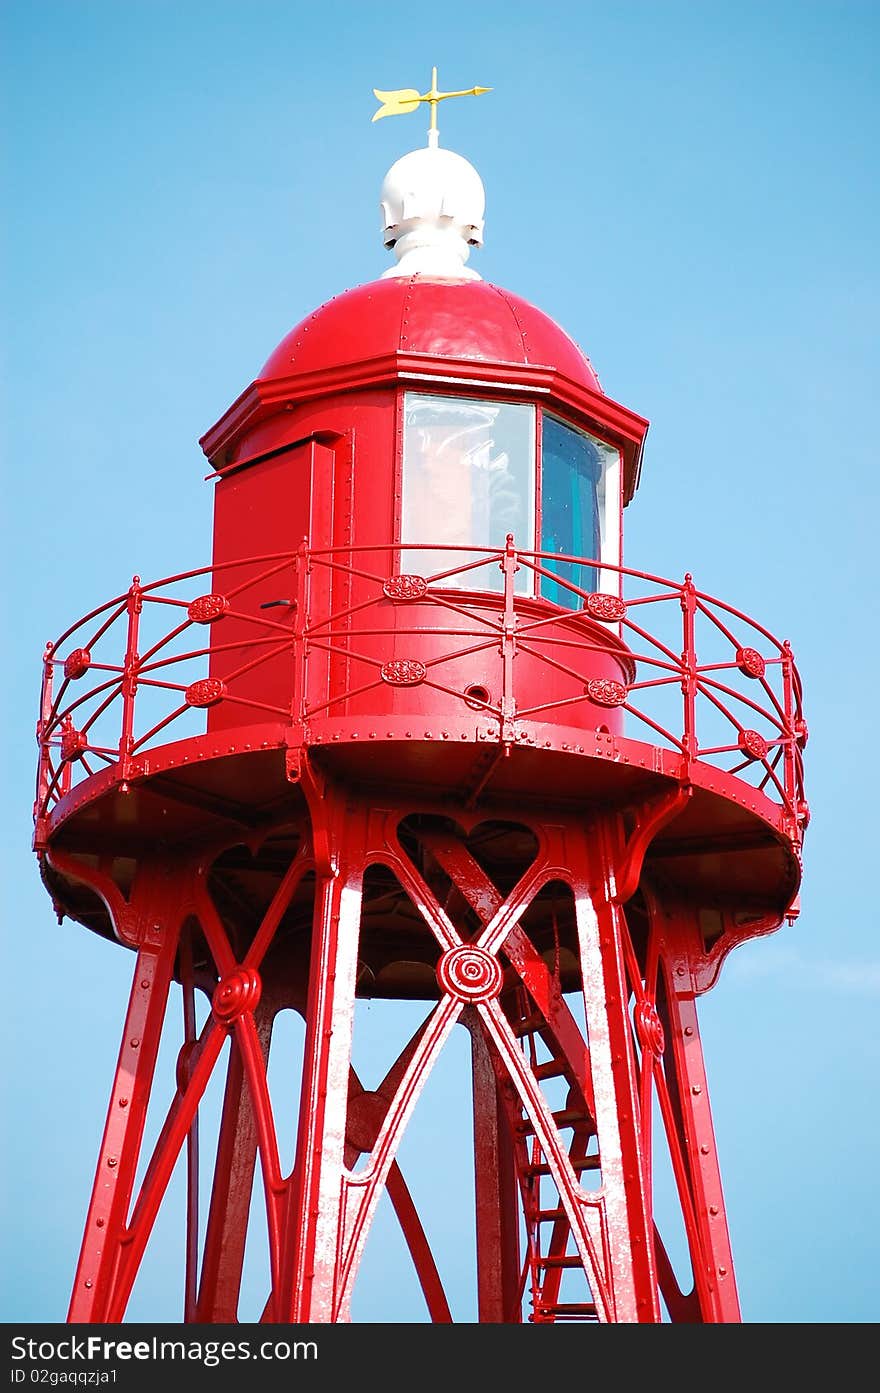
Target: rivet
<point>145,983</point>
<point>134,1042</point>
<point>445,734</point>
<point>428,735</point>
<point>372,735</point>
<point>409,735</point>
<point>123,1102</point>
<point>722,1272</point>
<point>87,1282</point>
<point>696,1088</point>
<point>679,972</point>
<point>111,1161</point>
<point>354,735</point>
<point>689,1030</point>
<point>704,1150</point>
<point>99,1223</point>
<point>713,1209</point>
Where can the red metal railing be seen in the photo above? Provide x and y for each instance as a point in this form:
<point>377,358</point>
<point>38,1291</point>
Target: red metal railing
<point>703,679</point>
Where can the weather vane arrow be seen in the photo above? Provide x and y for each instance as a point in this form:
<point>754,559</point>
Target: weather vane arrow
<point>406,99</point>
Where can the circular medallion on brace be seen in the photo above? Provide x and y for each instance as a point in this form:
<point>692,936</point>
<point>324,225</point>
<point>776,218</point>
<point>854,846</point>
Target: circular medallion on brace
<point>237,993</point>
<point>649,1028</point>
<point>470,973</point>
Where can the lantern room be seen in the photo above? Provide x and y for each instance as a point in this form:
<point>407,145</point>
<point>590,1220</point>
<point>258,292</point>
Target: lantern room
<point>423,422</point>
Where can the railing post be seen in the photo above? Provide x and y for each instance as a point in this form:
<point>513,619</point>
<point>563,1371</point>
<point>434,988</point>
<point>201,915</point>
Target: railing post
<point>134,605</point>
<point>299,702</point>
<point>791,782</point>
<point>43,767</point>
<point>67,736</point>
<point>509,566</point>
<point>689,667</point>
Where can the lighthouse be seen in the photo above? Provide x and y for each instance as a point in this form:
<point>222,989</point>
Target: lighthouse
<point>419,732</point>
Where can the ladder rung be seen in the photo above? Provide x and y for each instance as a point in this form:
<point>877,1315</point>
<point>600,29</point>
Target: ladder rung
<point>566,1117</point>
<point>567,1261</point>
<point>586,1163</point>
<point>551,1069</point>
<point>570,1310</point>
<point>528,1026</point>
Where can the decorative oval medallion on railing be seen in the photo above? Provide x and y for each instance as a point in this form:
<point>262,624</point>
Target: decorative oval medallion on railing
<point>753,744</point>
<point>608,608</point>
<point>205,693</point>
<point>750,662</point>
<point>74,744</point>
<point>405,587</point>
<point>77,664</point>
<point>404,672</point>
<point>605,691</point>
<point>207,609</point>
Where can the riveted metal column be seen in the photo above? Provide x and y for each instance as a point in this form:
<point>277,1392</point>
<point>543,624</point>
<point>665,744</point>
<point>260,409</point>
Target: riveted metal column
<point>192,1142</point>
<point>615,1080</point>
<point>226,1234</point>
<point>309,1268</point>
<point>496,1194</point>
<point>155,914</point>
<point>704,1213</point>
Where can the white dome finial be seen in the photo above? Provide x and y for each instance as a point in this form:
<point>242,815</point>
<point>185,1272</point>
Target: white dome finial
<point>432,204</point>
<point>432,200</point>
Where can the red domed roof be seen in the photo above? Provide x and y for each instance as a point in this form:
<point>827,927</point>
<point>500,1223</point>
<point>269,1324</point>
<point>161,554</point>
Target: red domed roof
<point>444,318</point>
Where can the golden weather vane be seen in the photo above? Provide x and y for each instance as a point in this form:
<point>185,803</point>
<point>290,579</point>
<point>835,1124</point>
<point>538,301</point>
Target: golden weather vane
<point>408,98</point>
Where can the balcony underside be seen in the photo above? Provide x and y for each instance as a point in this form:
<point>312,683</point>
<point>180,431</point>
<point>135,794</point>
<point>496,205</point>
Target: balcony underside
<point>728,853</point>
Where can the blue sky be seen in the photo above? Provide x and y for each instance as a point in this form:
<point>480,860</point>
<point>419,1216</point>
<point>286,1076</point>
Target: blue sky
<point>691,190</point>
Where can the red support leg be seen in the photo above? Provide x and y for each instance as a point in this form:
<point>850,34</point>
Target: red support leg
<point>228,1216</point>
<point>309,1278</point>
<point>689,1101</point>
<point>153,916</point>
<point>495,1182</point>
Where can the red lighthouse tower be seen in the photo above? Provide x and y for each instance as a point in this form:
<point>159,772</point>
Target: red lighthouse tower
<point>418,735</point>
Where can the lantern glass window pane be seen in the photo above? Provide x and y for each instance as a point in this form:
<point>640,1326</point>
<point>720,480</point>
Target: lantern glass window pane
<point>468,481</point>
<point>580,484</point>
